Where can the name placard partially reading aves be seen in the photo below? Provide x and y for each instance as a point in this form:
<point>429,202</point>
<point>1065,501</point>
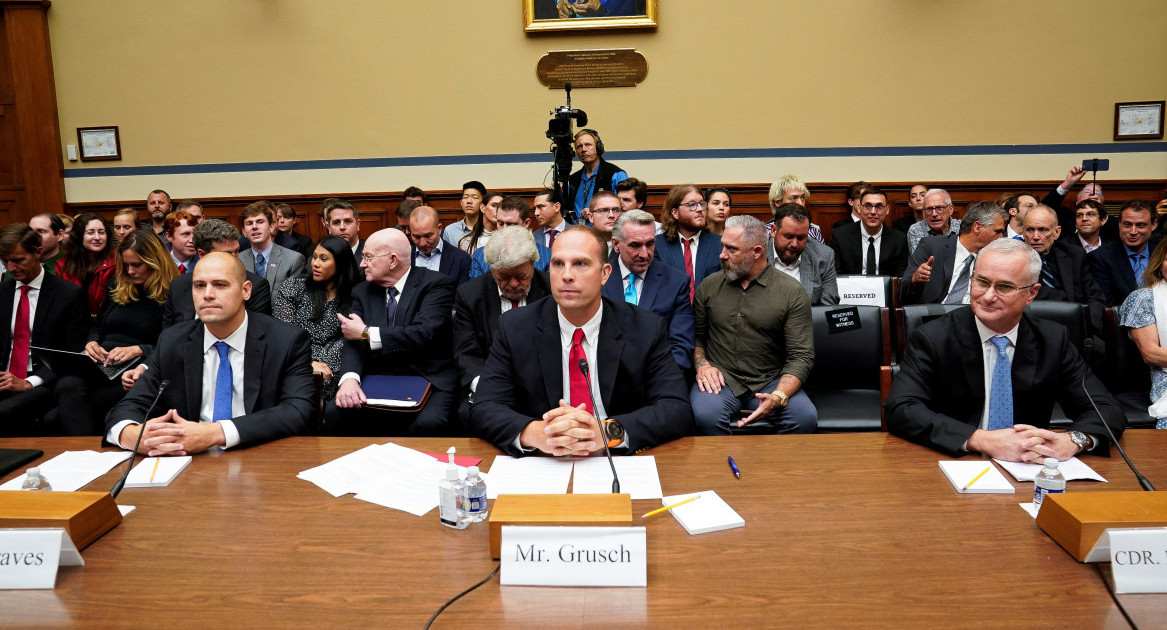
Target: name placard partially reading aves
<point>573,556</point>
<point>29,558</point>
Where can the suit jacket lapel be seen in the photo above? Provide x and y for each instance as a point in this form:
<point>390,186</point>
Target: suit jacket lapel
<point>252,364</point>
<point>550,352</point>
<point>1024,369</point>
<point>192,359</point>
<point>44,306</point>
<point>650,288</point>
<point>1063,267</point>
<point>7,293</point>
<point>407,297</point>
<point>1125,270</point>
<point>971,352</point>
<point>608,355</point>
<point>493,309</point>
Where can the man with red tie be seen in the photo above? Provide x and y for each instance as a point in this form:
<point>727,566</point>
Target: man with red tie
<point>547,212</point>
<point>560,363</point>
<point>685,243</point>
<point>38,310</point>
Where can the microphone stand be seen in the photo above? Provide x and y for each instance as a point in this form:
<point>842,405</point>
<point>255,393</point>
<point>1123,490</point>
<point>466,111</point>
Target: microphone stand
<point>583,368</point>
<point>117,487</point>
<point>1146,485</point>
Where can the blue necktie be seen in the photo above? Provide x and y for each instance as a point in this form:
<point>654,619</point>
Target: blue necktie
<point>391,306</point>
<point>260,265</point>
<point>630,289</point>
<point>1001,390</point>
<point>224,382</point>
<point>1138,265</point>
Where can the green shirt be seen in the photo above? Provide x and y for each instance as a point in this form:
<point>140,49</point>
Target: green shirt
<point>757,334</point>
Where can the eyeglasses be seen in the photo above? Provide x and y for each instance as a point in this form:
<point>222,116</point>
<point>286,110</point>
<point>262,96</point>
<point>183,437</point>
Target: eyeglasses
<point>369,258</point>
<point>694,206</point>
<point>606,211</point>
<point>879,206</point>
<point>1003,289</point>
<point>933,209</point>
<point>1086,215</point>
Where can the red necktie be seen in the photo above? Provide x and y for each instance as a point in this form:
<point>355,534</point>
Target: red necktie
<point>514,304</point>
<point>18,363</point>
<point>576,381</point>
<point>551,241</point>
<point>182,269</point>
<point>689,265</point>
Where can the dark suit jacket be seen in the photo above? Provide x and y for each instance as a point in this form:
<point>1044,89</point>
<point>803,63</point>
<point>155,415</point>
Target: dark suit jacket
<point>296,242</point>
<point>903,223</point>
<point>708,255</point>
<point>476,312</point>
<point>277,383</point>
<point>665,292</point>
<point>1066,220</point>
<point>851,251</point>
<point>179,305</point>
<point>455,264</point>
<point>419,340</point>
<point>936,289</point>
<point>1111,268</point>
<point>61,320</point>
<point>1076,283</point>
<point>640,384</point>
<point>938,397</point>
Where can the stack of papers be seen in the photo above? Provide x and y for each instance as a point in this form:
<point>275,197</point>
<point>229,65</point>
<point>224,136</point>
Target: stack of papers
<point>638,476</point>
<point>709,513</point>
<point>593,475</point>
<point>72,470</point>
<point>966,477</point>
<point>157,472</point>
<point>385,474</point>
<point>1072,469</point>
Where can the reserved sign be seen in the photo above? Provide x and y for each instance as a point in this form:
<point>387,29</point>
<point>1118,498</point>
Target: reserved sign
<point>1138,559</point>
<point>29,557</point>
<point>574,556</point>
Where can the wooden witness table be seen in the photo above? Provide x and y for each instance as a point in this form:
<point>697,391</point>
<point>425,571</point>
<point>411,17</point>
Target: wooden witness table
<point>841,530</point>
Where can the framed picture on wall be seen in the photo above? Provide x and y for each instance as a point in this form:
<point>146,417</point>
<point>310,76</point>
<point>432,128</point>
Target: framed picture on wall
<point>99,143</point>
<point>1138,121</point>
<point>570,15</point>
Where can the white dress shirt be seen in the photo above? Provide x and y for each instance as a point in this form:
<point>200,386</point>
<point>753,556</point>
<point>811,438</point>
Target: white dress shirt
<point>34,294</point>
<point>962,254</point>
<point>863,236</point>
<point>433,262</point>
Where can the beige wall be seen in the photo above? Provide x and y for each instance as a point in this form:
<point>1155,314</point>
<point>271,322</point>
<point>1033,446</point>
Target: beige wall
<point>221,81</point>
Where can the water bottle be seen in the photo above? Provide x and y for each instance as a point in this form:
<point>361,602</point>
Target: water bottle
<point>1049,480</point>
<point>35,480</point>
<point>450,491</point>
<point>475,496</point>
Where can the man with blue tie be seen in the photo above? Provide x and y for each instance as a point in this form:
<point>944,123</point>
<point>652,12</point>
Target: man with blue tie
<point>235,378</point>
<point>638,279</point>
<point>1118,266</point>
<point>985,379</point>
<point>686,244</point>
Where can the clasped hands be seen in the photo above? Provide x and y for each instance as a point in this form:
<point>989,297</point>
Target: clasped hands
<point>563,431</point>
<point>1023,443</point>
<point>171,434</point>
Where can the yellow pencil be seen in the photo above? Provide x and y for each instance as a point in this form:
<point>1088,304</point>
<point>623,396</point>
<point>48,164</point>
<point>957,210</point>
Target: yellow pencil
<point>156,470</point>
<point>974,479</point>
<point>669,507</point>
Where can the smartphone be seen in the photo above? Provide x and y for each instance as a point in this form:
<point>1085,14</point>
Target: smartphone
<point>1096,165</point>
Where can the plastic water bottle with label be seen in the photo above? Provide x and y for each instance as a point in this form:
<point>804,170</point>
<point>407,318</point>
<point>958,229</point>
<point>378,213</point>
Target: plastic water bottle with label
<point>475,496</point>
<point>1048,481</point>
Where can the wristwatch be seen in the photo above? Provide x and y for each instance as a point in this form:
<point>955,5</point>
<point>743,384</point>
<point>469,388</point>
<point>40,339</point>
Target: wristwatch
<point>614,432</point>
<point>782,397</point>
<point>365,333</point>
<point>1081,439</point>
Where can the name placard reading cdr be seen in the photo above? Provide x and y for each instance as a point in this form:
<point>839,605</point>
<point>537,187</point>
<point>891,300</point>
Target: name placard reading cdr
<point>573,556</point>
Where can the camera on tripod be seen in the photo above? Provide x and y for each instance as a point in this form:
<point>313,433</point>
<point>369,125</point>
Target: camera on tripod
<point>562,139</point>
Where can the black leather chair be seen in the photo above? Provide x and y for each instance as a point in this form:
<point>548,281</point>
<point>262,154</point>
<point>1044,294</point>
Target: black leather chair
<point>845,384</point>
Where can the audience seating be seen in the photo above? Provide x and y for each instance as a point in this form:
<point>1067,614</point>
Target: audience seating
<point>845,384</point>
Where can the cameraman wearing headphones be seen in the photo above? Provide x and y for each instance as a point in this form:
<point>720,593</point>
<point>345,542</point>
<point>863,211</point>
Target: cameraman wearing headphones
<point>597,174</point>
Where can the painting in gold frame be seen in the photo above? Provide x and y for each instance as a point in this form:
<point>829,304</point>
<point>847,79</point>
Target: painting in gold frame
<point>571,15</point>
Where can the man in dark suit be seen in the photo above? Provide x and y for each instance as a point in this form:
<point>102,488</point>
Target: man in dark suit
<point>37,309</point>
<point>287,235</point>
<point>1118,265</point>
<point>855,194</point>
<point>212,235</point>
<point>686,244</point>
<point>939,270</point>
<point>340,218</point>
<point>534,395</point>
<point>639,279</point>
<point>945,397</point>
<point>235,378</point>
<point>400,325</point>
<point>1064,276</point>
<point>431,251</point>
<point>864,246</point>
<point>513,282</point>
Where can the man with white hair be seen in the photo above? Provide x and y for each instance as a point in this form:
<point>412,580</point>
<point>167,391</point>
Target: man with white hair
<point>791,189</point>
<point>755,346</point>
<point>970,378</point>
<point>937,220</point>
<point>512,282</point>
<point>400,325</point>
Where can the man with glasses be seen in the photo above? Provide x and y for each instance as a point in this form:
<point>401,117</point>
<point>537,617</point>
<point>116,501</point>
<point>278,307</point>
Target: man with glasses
<point>940,268</point>
<point>937,220</point>
<point>985,379</point>
<point>1089,218</point>
<point>1064,276</point>
<point>1091,191</point>
<point>1118,266</point>
<point>865,247</point>
<point>685,243</point>
<point>512,210</point>
<point>602,211</point>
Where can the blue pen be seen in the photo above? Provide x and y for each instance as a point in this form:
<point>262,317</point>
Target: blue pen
<point>732,466</point>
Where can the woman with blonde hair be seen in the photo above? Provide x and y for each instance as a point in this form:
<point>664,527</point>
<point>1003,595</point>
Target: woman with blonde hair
<point>1144,314</point>
<point>124,222</point>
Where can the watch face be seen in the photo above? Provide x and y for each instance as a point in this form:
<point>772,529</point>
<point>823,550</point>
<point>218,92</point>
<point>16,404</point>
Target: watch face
<point>614,430</point>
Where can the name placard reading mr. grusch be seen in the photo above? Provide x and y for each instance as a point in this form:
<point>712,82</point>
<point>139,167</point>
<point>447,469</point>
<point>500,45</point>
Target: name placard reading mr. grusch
<point>573,556</point>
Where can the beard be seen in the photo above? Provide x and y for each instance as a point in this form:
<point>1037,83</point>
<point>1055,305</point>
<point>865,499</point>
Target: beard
<point>735,272</point>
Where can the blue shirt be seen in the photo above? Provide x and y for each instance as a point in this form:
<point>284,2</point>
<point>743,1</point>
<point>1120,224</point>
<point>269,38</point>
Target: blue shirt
<point>587,186</point>
<point>479,266</point>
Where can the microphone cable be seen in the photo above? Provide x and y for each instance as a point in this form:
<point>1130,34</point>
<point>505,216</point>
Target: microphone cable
<point>459,595</point>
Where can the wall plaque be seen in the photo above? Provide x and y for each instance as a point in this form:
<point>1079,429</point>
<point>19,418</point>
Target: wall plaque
<point>615,67</point>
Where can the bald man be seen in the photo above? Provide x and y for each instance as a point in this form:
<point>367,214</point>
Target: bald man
<point>401,324</point>
<point>235,378</point>
<point>429,249</point>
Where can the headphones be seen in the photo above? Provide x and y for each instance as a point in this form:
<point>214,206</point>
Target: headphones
<point>593,133</point>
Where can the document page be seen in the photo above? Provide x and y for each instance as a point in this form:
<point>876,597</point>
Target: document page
<point>638,476</point>
<point>528,475</point>
<point>72,470</point>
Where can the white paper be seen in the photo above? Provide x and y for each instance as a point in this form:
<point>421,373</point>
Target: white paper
<point>72,470</point>
<point>1072,469</point>
<point>1138,559</point>
<point>529,475</point>
<point>709,513</point>
<point>35,554</point>
<point>126,509</point>
<point>168,469</point>
<point>573,556</point>
<point>638,476</point>
<point>1029,508</point>
<point>961,474</point>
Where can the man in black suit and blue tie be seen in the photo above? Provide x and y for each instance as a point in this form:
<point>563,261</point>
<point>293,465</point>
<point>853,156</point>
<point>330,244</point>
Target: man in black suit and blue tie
<point>1118,265</point>
<point>638,279</point>
<point>431,252</point>
<point>686,244</point>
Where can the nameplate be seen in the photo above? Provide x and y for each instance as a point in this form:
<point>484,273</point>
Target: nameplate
<point>842,320</point>
<point>615,67</point>
<point>1138,559</point>
<point>861,290</point>
<point>573,556</point>
<point>29,557</point>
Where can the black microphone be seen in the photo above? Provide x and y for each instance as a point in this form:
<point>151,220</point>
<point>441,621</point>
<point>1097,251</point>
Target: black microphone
<point>117,487</point>
<point>583,368</point>
<point>1142,480</point>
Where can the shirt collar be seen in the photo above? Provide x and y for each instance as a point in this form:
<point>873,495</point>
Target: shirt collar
<point>436,251</point>
<point>876,236</point>
<point>624,271</point>
<point>1130,252</point>
<point>234,340</point>
<point>400,284</point>
<point>985,334</point>
<point>696,239</point>
<point>266,252</point>
<point>591,328</point>
<point>778,261</point>
<point>36,283</point>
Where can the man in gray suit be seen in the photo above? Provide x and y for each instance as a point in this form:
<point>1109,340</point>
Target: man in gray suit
<point>806,260</point>
<point>264,258</point>
<point>939,270</point>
